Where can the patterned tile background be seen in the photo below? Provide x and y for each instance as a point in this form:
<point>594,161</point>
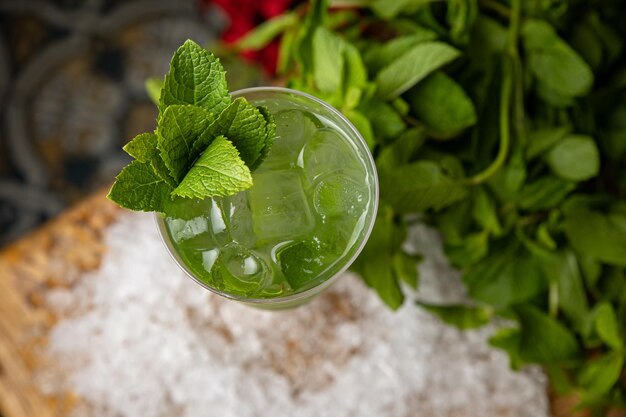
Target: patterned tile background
<point>72,93</point>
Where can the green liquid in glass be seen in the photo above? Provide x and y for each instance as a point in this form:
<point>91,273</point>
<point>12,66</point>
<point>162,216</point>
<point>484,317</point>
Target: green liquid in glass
<point>298,225</point>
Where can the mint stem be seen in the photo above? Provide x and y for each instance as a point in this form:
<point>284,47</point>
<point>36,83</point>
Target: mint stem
<point>505,98</point>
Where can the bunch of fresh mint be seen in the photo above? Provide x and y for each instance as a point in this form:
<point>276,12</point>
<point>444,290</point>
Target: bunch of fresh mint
<point>503,124</point>
<point>205,143</point>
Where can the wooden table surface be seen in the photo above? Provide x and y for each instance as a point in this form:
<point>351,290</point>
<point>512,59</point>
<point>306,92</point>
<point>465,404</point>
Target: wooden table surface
<point>56,255</point>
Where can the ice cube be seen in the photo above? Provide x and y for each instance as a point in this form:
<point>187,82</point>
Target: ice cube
<point>217,216</point>
<point>328,152</point>
<point>182,230</point>
<point>279,207</point>
<point>293,129</point>
<point>209,257</point>
<point>241,271</point>
<point>340,195</point>
<point>239,219</point>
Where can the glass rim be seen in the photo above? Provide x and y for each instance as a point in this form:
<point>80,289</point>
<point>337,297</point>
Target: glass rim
<point>356,135</point>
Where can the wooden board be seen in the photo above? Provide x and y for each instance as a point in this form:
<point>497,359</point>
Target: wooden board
<point>55,255</point>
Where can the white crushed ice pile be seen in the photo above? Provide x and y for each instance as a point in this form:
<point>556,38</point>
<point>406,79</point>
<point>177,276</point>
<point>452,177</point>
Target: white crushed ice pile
<point>140,339</point>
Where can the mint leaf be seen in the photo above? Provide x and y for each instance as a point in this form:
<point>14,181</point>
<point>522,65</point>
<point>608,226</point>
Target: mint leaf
<point>355,73</point>
<point>244,125</point>
<point>139,188</point>
<point>599,375</point>
<point>544,193</point>
<point>575,158</point>
<point>607,326</point>
<point>405,268</point>
<point>572,299</point>
<point>270,136</point>
<point>508,339</point>
<point>555,64</point>
<point>377,255</point>
<point>154,86</point>
<point>420,186</point>
<point>377,56</point>
<point>385,121</point>
<point>543,339</point>
<point>460,316</point>
<point>442,105</point>
<point>389,10</point>
<point>179,128</point>
<point>144,149</point>
<point>484,211</point>
<point>595,234</point>
<point>508,276</point>
<point>196,77</point>
<point>328,60</point>
<point>542,140</point>
<point>219,171</point>
<point>412,67</point>
<point>263,34</point>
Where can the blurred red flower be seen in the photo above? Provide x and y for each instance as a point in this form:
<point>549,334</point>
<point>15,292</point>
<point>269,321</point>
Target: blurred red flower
<point>244,16</point>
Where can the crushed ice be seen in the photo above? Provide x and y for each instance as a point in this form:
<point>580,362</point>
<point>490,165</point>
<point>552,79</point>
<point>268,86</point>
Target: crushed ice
<point>138,338</point>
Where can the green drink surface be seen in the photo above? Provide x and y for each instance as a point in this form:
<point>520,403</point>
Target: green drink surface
<point>297,226</point>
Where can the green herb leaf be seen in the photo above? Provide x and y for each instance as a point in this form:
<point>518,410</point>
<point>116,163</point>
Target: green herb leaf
<point>244,125</point>
<point>219,171</point>
<point>328,60</point>
<point>373,264</point>
<point>179,129</point>
<point>484,211</point>
<point>139,188</point>
<point>420,186</point>
<point>263,34</point>
<point>543,339</point>
<point>355,73</point>
<point>153,86</point>
<point>460,316</point>
<point>405,268</point>
<point>555,64</point>
<point>606,325</point>
<point>363,125</point>
<point>510,275</point>
<point>412,67</point>
<point>461,16</point>
<point>389,10</point>
<point>144,149</point>
<point>442,105</point>
<point>599,375</point>
<point>468,251</point>
<point>595,234</point>
<point>508,339</point>
<point>379,55</point>
<point>575,158</point>
<point>544,193</point>
<point>196,77</point>
<point>385,121</point>
<point>572,299</point>
<point>542,140</point>
<point>270,136</point>
<point>315,18</point>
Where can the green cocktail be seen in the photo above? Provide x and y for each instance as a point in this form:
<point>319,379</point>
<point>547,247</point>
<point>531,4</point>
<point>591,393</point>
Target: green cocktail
<point>302,223</point>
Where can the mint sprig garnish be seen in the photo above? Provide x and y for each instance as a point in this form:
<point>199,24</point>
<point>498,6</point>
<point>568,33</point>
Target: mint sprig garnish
<point>205,143</point>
